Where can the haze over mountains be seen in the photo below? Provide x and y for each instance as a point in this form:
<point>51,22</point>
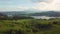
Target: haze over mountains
<point>32,13</point>
<point>49,13</point>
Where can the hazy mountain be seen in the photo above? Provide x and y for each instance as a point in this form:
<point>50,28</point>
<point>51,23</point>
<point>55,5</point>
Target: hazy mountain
<point>14,13</point>
<point>48,13</point>
<point>30,13</point>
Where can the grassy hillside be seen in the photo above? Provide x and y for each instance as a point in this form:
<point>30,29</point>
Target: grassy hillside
<point>30,26</point>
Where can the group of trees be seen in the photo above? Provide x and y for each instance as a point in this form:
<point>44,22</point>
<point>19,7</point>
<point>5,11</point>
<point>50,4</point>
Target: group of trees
<point>13,17</point>
<point>24,26</point>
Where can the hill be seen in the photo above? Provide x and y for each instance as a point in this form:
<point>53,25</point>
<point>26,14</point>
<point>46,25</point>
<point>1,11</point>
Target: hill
<point>48,13</point>
<point>28,13</point>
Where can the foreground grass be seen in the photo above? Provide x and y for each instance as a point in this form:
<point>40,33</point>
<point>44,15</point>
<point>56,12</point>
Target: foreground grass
<point>29,26</point>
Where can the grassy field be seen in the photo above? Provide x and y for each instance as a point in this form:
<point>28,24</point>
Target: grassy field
<point>30,26</point>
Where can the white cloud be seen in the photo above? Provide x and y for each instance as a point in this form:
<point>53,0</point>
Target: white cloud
<point>39,1</point>
<point>44,5</point>
<point>14,8</point>
<point>53,5</point>
<point>47,5</point>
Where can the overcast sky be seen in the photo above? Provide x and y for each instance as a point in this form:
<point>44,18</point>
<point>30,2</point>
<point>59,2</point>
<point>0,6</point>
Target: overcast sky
<point>21,5</point>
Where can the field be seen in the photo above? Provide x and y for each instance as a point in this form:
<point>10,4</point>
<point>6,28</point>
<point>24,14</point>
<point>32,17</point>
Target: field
<point>30,26</point>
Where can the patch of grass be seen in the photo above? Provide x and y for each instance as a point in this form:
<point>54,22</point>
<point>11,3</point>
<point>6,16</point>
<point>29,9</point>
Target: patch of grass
<point>29,26</point>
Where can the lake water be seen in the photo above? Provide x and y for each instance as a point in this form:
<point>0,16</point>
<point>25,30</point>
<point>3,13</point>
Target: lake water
<point>43,17</point>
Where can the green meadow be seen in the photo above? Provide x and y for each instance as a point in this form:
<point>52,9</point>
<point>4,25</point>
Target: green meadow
<point>30,26</point>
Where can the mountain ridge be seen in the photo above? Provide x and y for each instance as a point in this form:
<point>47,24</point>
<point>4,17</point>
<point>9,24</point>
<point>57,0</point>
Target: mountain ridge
<point>27,13</point>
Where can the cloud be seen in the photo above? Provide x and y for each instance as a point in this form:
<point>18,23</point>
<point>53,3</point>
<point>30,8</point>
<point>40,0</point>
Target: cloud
<point>54,5</point>
<point>38,5</point>
<point>39,1</point>
<point>14,8</point>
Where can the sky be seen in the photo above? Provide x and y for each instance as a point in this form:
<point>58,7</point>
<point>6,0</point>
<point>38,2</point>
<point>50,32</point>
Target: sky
<point>21,5</point>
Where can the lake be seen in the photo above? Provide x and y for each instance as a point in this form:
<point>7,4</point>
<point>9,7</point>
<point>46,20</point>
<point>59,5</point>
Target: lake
<point>43,17</point>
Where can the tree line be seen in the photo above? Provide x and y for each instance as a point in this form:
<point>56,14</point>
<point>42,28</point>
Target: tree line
<point>13,17</point>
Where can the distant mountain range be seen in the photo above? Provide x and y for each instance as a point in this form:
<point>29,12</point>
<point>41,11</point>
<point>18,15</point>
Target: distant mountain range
<point>28,13</point>
<point>48,13</point>
<point>14,13</point>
